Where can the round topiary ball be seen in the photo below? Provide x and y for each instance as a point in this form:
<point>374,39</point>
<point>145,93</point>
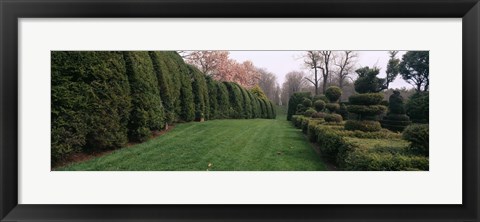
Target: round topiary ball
<point>333,93</point>
<point>319,105</point>
<point>309,112</point>
<point>320,97</point>
<point>307,103</point>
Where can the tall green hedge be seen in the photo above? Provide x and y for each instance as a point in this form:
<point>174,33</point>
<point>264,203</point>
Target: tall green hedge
<point>185,103</point>
<point>247,103</point>
<point>166,85</point>
<point>102,100</point>
<point>272,107</point>
<point>212,98</point>
<point>200,93</point>
<point>147,112</point>
<point>255,105</point>
<point>236,101</point>
<point>223,100</point>
<point>69,102</point>
<point>94,111</point>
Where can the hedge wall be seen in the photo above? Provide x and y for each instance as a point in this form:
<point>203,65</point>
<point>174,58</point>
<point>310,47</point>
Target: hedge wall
<point>223,101</point>
<point>165,85</point>
<point>102,100</point>
<point>236,101</point>
<point>200,93</point>
<point>91,101</point>
<point>212,98</point>
<point>147,112</point>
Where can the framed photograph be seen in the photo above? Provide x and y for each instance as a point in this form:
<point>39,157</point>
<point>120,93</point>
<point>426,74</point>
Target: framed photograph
<point>226,110</point>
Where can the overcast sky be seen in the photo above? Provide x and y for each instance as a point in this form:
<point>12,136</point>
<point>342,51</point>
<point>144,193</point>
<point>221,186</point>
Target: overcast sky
<point>282,62</point>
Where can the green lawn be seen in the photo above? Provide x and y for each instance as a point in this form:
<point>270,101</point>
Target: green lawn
<point>232,145</point>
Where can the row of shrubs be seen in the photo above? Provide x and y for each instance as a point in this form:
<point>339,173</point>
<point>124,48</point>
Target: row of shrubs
<point>104,99</point>
<point>416,107</point>
<point>338,146</point>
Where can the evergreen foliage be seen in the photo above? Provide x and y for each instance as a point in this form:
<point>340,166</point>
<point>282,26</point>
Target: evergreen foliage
<point>147,112</point>
<point>296,99</point>
<point>395,120</point>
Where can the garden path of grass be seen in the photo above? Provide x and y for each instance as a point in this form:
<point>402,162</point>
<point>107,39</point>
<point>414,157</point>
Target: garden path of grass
<point>227,145</point>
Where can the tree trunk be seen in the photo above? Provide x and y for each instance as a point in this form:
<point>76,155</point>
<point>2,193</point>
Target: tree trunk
<point>316,82</point>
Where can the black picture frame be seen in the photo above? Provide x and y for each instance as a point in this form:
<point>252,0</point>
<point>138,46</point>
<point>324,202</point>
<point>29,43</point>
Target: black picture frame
<point>11,11</point>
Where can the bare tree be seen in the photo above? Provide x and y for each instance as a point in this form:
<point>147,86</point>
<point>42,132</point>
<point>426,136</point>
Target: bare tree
<point>312,60</point>
<point>325,62</point>
<point>294,82</point>
<point>345,63</point>
<point>267,82</point>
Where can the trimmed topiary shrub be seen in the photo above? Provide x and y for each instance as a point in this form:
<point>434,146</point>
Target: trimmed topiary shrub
<point>200,93</point>
<point>147,111</point>
<point>417,107</point>
<point>336,118</point>
<point>212,98</point>
<point>362,160</point>
<point>91,102</point>
<point>332,107</point>
<point>235,99</point>
<point>320,97</point>
<point>333,93</point>
<point>223,101</point>
<point>247,104</point>
<point>307,103</point>
<point>294,100</point>
<point>396,120</point>
<point>363,125</point>
<point>254,104</point>
<point>371,110</point>
<point>311,131</point>
<point>300,109</point>
<point>304,124</point>
<point>365,99</point>
<point>343,111</point>
<point>319,105</point>
<point>166,86</point>
<point>365,106</point>
<point>417,135</point>
<point>309,112</point>
<point>272,107</point>
<point>268,106</point>
<point>332,146</point>
<point>319,115</point>
<point>297,120</point>
<point>184,104</point>
<point>69,98</point>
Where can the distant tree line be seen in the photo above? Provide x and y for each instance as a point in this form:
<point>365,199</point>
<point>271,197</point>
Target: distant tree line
<point>103,100</point>
<point>335,68</point>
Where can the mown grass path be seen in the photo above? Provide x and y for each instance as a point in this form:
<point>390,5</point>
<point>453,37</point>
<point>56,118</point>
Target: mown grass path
<point>228,145</point>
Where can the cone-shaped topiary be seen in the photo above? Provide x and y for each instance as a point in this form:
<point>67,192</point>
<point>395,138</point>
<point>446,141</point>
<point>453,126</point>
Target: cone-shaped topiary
<point>396,119</point>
